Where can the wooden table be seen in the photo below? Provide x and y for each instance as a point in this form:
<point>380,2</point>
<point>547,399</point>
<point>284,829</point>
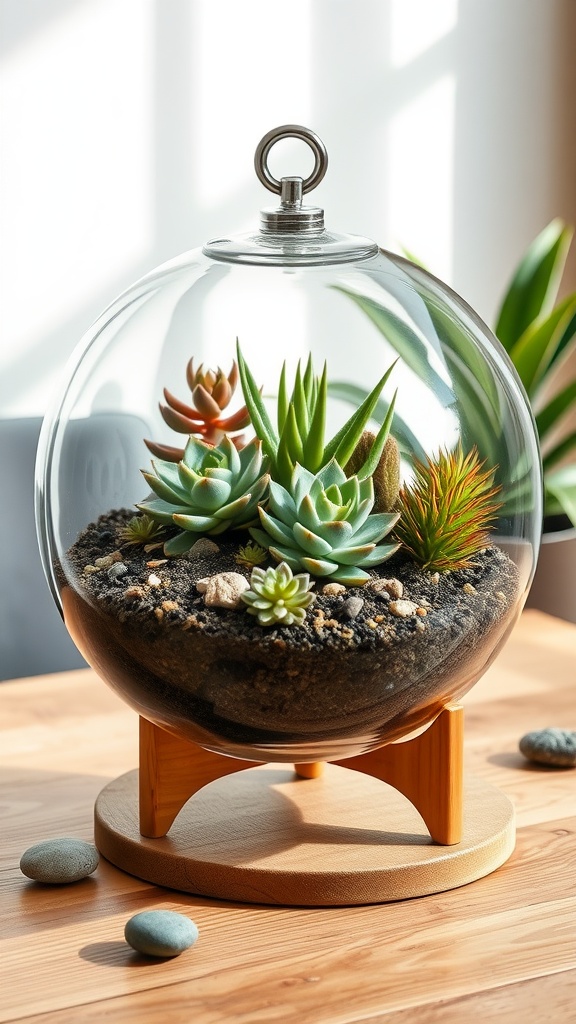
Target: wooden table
<point>502,948</point>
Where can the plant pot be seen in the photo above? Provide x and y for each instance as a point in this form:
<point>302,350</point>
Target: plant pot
<point>554,587</point>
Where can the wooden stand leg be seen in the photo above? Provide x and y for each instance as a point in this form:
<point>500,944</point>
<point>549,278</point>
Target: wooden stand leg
<point>171,771</point>
<point>428,770</point>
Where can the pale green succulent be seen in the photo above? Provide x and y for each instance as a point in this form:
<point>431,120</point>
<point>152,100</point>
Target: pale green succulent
<point>323,524</point>
<point>301,420</point>
<point>276,596</point>
<point>210,490</point>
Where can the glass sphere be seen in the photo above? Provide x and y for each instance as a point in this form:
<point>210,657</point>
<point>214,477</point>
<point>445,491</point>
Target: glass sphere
<point>370,663</point>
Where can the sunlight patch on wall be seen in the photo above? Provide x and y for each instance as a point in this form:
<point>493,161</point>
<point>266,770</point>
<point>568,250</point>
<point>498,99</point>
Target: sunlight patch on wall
<point>77,204</point>
<point>421,167</point>
<point>229,122</point>
<point>415,25</point>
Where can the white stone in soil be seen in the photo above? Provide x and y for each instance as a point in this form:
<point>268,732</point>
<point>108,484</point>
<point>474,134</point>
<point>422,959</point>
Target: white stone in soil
<point>403,609</point>
<point>160,933</point>
<point>392,586</point>
<point>59,861</point>
<point>223,590</point>
<point>333,589</point>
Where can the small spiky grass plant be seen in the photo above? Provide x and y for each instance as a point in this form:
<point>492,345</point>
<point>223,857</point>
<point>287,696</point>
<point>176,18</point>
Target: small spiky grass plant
<point>140,530</point>
<point>211,391</point>
<point>250,554</point>
<point>447,510</point>
<point>278,597</point>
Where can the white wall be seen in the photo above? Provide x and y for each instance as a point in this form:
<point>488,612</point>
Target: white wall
<point>128,129</point>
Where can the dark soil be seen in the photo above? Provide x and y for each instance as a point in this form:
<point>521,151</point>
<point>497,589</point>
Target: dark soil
<point>333,686</point>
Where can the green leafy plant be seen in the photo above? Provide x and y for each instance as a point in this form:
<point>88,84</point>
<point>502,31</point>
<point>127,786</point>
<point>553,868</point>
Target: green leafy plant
<point>211,391</point>
<point>276,596</point>
<point>539,334</point>
<point>250,554</point>
<point>447,510</point>
<point>301,420</point>
<point>140,530</point>
<point>212,489</point>
<point>323,524</point>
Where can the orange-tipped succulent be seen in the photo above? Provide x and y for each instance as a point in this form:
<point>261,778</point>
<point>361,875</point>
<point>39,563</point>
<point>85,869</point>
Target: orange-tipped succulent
<point>447,510</point>
<point>211,391</point>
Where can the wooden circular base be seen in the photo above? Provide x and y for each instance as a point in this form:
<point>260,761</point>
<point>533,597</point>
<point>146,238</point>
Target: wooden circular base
<point>266,836</point>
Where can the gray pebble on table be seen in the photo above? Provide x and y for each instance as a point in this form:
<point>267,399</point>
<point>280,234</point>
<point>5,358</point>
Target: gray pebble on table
<point>59,861</point>
<point>160,933</point>
<point>550,746</point>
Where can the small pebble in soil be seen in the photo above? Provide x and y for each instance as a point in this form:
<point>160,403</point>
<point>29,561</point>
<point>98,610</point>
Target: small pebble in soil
<point>550,746</point>
<point>59,861</point>
<point>223,590</point>
<point>203,548</point>
<point>333,589</point>
<point>393,588</point>
<point>160,933</point>
<point>351,607</point>
<point>116,571</point>
<point>403,609</point>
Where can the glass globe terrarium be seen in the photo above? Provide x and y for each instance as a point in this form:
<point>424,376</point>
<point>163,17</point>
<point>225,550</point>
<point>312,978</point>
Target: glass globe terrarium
<point>408,503</point>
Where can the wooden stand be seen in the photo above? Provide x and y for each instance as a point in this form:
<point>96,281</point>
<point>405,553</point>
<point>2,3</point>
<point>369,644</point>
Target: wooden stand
<point>343,836</point>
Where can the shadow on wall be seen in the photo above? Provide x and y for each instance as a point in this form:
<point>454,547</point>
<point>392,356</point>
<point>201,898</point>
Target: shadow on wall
<point>33,638</point>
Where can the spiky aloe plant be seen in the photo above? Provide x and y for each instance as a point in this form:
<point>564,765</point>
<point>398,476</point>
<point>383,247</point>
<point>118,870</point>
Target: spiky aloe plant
<point>323,524</point>
<point>447,510</point>
<point>211,391</point>
<point>210,490</point>
<point>301,421</point>
<point>276,596</point>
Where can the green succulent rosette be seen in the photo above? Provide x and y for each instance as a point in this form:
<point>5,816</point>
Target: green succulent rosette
<point>324,525</point>
<point>276,596</point>
<point>212,489</point>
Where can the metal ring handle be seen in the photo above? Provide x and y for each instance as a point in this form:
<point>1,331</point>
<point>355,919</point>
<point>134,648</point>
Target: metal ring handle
<point>290,131</point>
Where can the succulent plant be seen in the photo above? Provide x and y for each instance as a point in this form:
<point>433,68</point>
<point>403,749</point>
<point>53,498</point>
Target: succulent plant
<point>211,489</point>
<point>301,419</point>
<point>447,510</point>
<point>211,391</point>
<point>140,530</point>
<point>322,524</point>
<point>276,596</point>
<point>250,554</point>
<point>386,476</point>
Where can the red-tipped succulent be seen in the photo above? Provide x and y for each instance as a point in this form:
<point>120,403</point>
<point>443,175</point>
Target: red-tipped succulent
<point>211,391</point>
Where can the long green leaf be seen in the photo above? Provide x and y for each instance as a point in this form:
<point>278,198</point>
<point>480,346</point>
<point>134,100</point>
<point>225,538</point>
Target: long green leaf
<point>369,467</point>
<point>313,448</point>
<point>407,440</point>
<point>561,492</point>
<point>289,448</point>
<point>536,349</point>
<point>551,413</point>
<point>282,399</point>
<point>534,286</point>
<point>563,448</point>
<point>345,441</point>
<point>404,339</point>
<point>255,405</point>
<point>300,404</point>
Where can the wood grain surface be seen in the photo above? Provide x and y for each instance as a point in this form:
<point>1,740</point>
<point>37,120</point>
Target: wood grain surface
<point>501,948</point>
